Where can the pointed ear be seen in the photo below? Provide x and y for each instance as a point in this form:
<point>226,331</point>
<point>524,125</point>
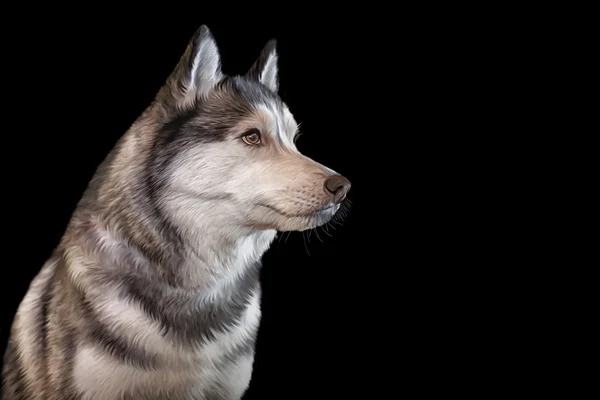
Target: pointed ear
<point>197,73</point>
<point>265,69</point>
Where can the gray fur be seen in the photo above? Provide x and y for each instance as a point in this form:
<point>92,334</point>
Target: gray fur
<point>153,291</point>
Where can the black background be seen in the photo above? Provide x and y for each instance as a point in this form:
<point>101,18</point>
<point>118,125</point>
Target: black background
<point>386,301</point>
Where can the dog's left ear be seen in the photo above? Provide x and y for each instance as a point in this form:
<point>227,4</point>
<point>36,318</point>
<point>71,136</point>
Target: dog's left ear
<point>265,69</point>
<point>196,74</point>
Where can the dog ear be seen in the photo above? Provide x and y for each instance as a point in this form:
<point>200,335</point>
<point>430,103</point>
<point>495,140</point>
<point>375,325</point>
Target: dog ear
<point>265,69</point>
<point>198,71</point>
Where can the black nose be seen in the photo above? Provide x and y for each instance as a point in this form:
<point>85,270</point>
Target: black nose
<point>338,186</point>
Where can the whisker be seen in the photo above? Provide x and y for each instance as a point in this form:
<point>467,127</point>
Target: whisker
<point>317,233</point>
<point>305,246</point>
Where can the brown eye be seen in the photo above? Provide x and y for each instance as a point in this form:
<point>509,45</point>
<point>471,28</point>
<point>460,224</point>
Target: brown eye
<point>251,137</point>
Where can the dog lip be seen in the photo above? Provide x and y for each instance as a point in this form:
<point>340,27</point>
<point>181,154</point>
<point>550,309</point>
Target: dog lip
<point>310,214</point>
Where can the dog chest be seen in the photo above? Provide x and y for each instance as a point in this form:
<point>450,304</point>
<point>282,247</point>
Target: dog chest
<point>223,360</point>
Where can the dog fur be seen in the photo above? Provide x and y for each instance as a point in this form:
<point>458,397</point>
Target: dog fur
<point>153,291</point>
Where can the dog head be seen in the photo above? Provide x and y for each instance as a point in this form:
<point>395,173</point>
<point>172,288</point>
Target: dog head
<point>227,148</point>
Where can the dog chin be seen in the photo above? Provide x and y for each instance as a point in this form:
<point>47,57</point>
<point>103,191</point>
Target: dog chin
<point>315,220</point>
<point>323,216</point>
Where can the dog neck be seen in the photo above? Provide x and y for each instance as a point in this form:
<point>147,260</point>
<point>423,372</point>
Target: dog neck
<point>218,247</point>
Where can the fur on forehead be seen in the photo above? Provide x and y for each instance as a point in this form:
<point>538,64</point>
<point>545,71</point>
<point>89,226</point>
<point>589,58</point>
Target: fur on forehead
<point>198,74</point>
<point>243,98</point>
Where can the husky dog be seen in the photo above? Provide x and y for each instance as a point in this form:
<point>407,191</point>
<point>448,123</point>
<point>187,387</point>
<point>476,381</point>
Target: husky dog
<point>153,291</point>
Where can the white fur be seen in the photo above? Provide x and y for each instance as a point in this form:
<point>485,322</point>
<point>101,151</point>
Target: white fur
<point>239,376</point>
<point>281,125</point>
<point>290,124</point>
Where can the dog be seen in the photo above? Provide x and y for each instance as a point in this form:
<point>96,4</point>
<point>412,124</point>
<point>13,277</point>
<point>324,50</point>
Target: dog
<point>153,291</point>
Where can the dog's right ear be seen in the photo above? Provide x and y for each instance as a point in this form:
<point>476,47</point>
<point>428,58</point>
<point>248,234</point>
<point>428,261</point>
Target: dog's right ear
<point>265,69</point>
<point>197,73</point>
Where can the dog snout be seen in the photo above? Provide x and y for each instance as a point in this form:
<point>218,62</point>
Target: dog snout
<point>338,186</point>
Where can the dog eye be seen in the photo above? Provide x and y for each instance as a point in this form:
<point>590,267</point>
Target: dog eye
<point>252,137</point>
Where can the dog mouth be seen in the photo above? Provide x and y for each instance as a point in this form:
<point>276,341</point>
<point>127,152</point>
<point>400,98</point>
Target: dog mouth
<point>315,213</point>
<point>226,196</point>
